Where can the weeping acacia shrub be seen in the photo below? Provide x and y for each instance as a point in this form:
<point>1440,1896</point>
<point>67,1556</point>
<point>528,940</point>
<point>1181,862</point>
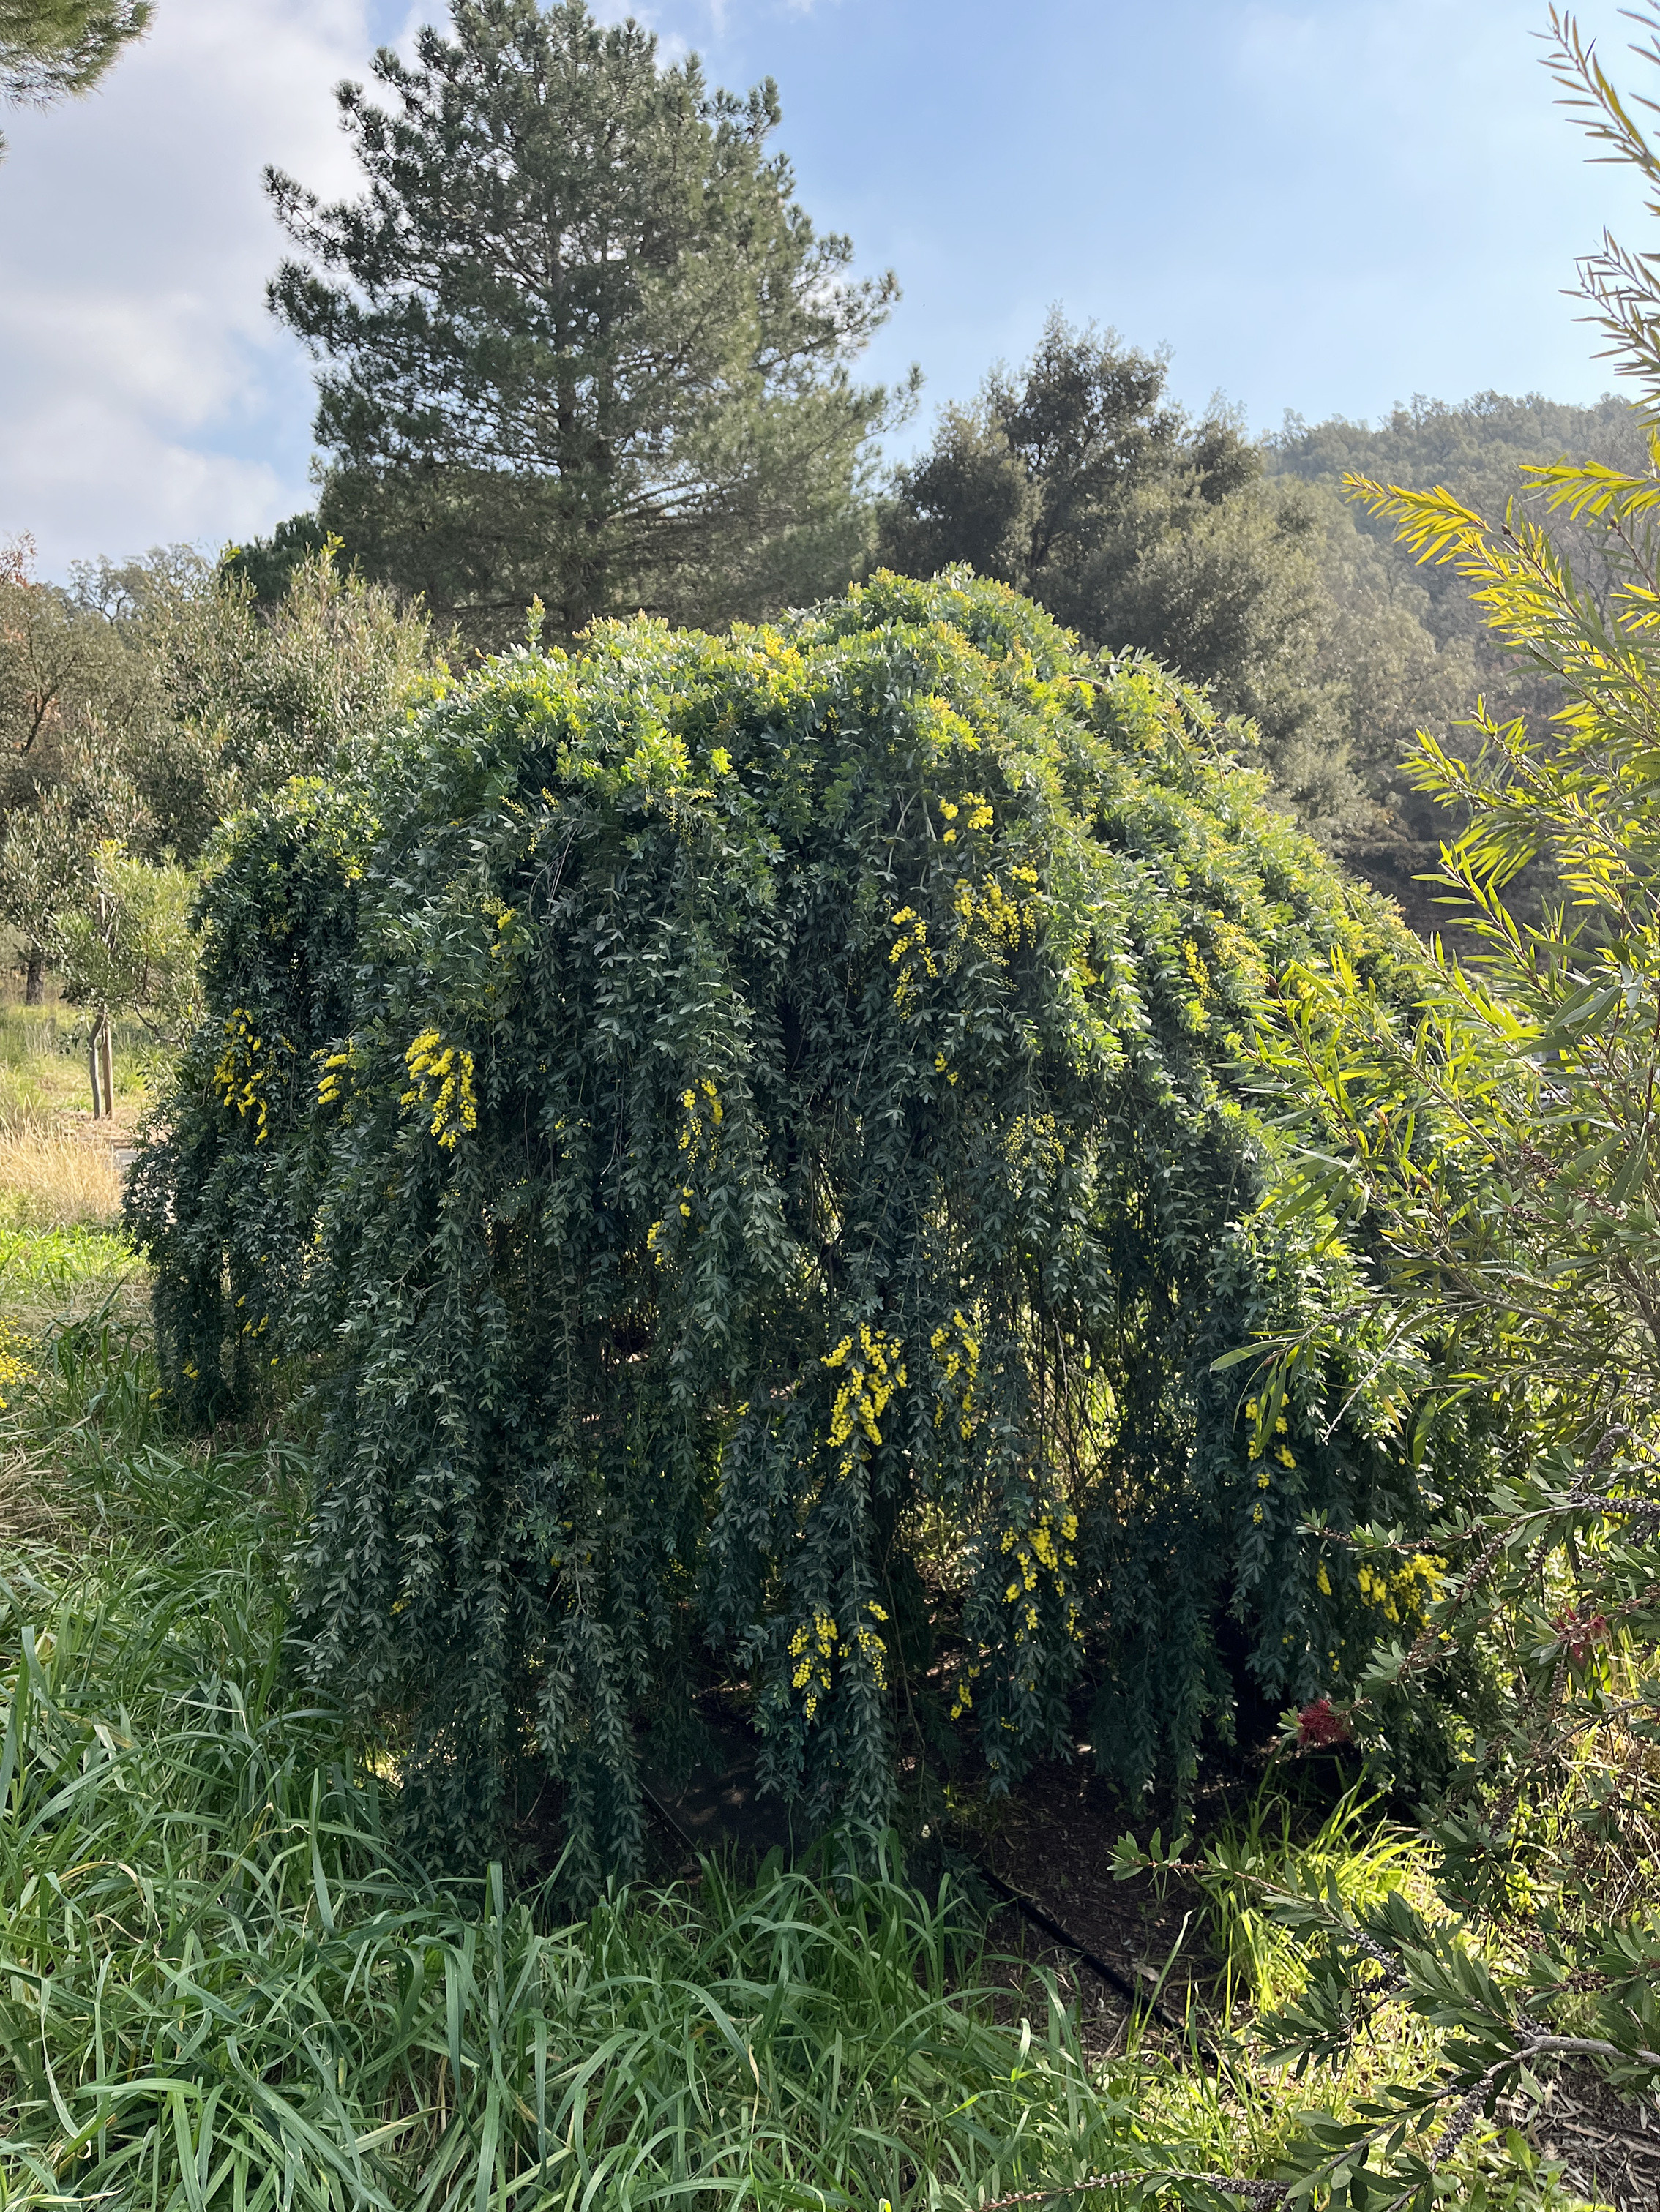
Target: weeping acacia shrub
<point>755,1137</point>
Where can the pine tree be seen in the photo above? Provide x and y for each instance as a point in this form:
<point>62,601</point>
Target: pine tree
<point>53,49</point>
<point>580,342</point>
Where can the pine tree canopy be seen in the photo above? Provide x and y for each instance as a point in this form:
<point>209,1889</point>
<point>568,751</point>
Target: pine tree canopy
<point>53,49</point>
<point>754,1138</point>
<point>580,342</point>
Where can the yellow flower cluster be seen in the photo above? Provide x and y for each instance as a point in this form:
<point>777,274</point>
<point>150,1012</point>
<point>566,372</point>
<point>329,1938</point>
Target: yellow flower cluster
<point>1259,1444</point>
<point>1037,1551</point>
<point>957,1349</point>
<point>998,913</point>
<point>1199,975</point>
<point>15,1369</point>
<point>328,1086</point>
<point>777,666</point>
<point>653,1235</point>
<point>875,1369</point>
<point>910,951</point>
<point>812,1647</point>
<point>998,918</point>
<point>1238,955</point>
<point>1405,1594</point>
<point>979,814</point>
<point>1042,1550</point>
<point>870,1644</point>
<point>1034,1138</point>
<point>704,1110</point>
<point>442,1083</point>
<point>243,1069</point>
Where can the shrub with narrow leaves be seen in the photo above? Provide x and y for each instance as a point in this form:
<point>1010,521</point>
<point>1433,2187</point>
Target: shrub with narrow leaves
<point>755,1139</point>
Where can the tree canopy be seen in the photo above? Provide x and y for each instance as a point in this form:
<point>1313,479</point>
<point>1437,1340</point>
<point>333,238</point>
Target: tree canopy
<point>151,697</point>
<point>579,341</point>
<point>758,1133</point>
<point>77,705</point>
<point>1077,481</point>
<point>257,692</point>
<point>54,49</point>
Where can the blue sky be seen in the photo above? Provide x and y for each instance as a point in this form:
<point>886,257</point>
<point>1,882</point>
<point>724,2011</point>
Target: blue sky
<point>1320,205</point>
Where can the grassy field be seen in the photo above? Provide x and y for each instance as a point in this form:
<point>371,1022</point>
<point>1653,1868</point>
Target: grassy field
<point>58,1166</point>
<point>224,1985</point>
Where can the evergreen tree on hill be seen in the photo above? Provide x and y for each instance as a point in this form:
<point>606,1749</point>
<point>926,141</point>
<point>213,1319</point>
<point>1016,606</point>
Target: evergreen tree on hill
<point>1076,480</point>
<point>1406,646</point>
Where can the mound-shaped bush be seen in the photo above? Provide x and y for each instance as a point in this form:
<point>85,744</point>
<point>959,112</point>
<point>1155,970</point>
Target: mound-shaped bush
<point>755,1140</point>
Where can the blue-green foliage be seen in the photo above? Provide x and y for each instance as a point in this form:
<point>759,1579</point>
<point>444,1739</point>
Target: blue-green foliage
<point>755,1136</point>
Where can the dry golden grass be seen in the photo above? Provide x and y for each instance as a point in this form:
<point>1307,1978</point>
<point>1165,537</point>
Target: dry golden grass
<point>50,1179</point>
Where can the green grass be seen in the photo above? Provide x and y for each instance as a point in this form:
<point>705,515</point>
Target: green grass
<point>70,1279</point>
<point>43,1065</point>
<point>57,1168</point>
<point>47,1264</point>
<point>1352,1851</point>
<point>224,1987</point>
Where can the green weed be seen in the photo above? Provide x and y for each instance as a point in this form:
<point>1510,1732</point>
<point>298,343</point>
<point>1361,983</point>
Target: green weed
<point>48,1264</point>
<point>1353,1850</point>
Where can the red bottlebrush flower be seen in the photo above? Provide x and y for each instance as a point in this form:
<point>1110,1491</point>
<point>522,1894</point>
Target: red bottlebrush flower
<point>1579,1636</point>
<point>1321,1723</point>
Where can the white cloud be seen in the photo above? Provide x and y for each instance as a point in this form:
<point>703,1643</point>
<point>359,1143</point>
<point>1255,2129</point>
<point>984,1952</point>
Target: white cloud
<point>138,365</point>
